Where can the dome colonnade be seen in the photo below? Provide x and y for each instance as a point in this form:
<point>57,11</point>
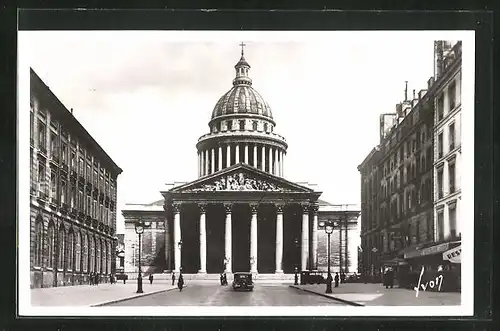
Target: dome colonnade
<point>241,131</point>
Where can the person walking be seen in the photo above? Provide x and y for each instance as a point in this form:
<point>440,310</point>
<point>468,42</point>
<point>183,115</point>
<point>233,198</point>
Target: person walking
<point>180,283</point>
<point>342,278</point>
<point>336,279</point>
<point>173,278</point>
<point>91,279</point>
<point>221,279</point>
<point>151,279</point>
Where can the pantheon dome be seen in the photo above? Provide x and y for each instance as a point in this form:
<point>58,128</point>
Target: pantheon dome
<point>241,130</point>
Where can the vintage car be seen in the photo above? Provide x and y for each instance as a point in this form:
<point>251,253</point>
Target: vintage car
<point>242,281</point>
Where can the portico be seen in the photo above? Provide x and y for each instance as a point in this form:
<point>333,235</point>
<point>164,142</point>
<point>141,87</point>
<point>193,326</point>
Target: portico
<point>240,216</point>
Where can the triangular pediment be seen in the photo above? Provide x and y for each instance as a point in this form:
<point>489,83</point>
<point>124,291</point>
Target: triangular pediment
<point>241,177</point>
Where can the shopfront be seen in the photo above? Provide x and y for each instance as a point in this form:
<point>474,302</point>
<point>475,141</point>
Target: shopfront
<point>433,261</point>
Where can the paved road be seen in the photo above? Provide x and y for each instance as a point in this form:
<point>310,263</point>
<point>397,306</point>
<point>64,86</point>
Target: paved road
<point>216,295</point>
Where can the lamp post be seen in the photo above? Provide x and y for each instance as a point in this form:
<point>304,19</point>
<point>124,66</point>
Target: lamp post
<point>328,226</point>
<point>296,242</point>
<point>139,229</point>
<point>179,244</point>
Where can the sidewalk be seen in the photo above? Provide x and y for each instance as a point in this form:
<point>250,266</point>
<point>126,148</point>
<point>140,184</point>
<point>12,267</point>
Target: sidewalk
<point>87,295</point>
<point>377,295</point>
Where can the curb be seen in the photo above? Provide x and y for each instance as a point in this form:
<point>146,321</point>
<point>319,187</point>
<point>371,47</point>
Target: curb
<point>132,297</point>
<point>351,303</point>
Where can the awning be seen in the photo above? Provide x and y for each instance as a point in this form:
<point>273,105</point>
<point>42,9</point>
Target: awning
<point>453,255</point>
<point>428,251</point>
<point>395,262</point>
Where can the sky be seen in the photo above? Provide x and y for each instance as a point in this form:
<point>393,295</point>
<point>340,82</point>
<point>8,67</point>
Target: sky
<point>147,96</point>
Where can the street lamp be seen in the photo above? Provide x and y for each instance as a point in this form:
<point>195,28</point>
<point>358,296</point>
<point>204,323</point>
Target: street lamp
<point>328,226</point>
<point>179,244</point>
<point>296,242</point>
<point>139,229</point>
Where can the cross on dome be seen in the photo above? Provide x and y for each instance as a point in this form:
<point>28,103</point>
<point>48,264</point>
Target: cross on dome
<point>242,46</point>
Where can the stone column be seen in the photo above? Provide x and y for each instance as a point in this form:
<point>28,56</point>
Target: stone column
<point>246,153</point>
<point>255,163</point>
<point>346,260</point>
<point>212,160</point>
<point>168,240</point>
<point>228,156</point>
<point>199,173</point>
<point>228,242</point>
<point>271,160</point>
<point>203,239</point>
<point>177,236</point>
<point>275,167</point>
<point>220,157</point>
<point>279,239</point>
<point>237,153</point>
<point>283,164</point>
<point>305,237</point>
<point>206,162</point>
<point>263,152</point>
<point>314,239</point>
<point>253,239</point>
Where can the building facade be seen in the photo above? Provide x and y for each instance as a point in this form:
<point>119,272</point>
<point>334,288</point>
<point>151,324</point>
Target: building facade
<point>72,195</point>
<point>447,141</point>
<point>410,183</point>
<point>241,214</point>
<point>396,186</point>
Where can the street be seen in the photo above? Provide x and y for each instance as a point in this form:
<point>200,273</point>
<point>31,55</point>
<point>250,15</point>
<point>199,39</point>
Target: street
<point>216,295</point>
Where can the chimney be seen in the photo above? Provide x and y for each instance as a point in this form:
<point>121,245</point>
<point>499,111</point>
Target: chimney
<point>421,94</point>
<point>438,58</point>
<point>71,110</point>
<point>406,90</point>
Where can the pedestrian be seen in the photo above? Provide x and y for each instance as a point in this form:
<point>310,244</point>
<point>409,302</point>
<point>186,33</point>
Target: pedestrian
<point>342,278</point>
<point>391,277</point>
<point>150,278</point>
<point>124,279</point>
<point>97,278</point>
<point>173,278</point>
<point>336,279</point>
<point>180,283</point>
<point>221,279</point>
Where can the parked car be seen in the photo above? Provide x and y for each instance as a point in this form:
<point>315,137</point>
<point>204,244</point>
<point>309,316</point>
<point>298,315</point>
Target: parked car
<point>121,277</point>
<point>242,281</point>
<point>311,277</point>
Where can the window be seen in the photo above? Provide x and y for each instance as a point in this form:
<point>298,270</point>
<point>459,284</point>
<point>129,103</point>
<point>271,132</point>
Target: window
<point>89,172</point>
<point>41,176</point>
<point>410,196</point>
<point>81,166</point>
<point>89,205</point>
<point>98,256</point>
<point>91,254</point>
<point>53,185</point>
<point>242,125</point>
<point>81,200</point>
<point>78,250</point>
<point>73,196</point>
<point>440,182</point>
<point>440,107</point>
<point>38,242</point>
<point>451,136</point>
<point>73,160</point>
<point>42,138</point>
<point>54,146</point>
<point>265,127</point>
<point>50,246</point>
<point>60,252</point>
<point>70,251</point>
<point>63,192</point>
<point>95,177</point>
<point>451,176</point>
<point>229,125</point>
<point>440,145</point>
<point>453,221</point>
<point>440,224</point>
<point>85,252</point>
<point>452,94</point>
<point>218,126</point>
<point>64,152</point>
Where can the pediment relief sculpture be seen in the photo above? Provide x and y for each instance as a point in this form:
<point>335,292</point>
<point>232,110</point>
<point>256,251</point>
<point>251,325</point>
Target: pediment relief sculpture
<point>238,182</point>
